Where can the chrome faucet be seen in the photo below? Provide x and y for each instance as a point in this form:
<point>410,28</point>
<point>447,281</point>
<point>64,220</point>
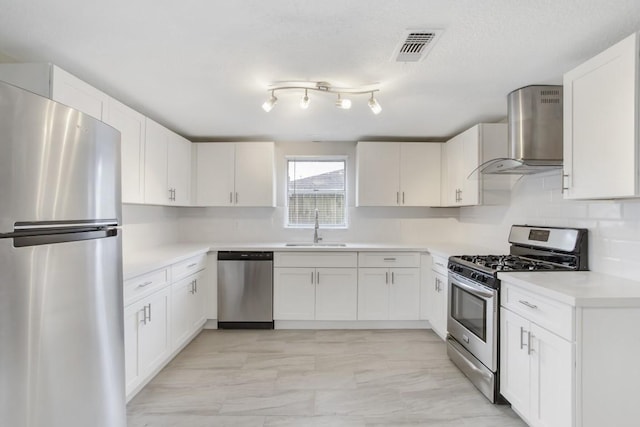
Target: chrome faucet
<point>316,227</point>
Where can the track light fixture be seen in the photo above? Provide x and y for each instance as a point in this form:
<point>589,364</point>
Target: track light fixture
<point>304,102</point>
<point>374,105</point>
<point>270,103</point>
<point>343,103</point>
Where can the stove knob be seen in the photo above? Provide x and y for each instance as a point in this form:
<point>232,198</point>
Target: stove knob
<point>474,275</point>
<point>450,266</point>
<point>483,278</point>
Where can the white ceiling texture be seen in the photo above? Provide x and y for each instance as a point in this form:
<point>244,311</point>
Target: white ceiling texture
<point>202,67</point>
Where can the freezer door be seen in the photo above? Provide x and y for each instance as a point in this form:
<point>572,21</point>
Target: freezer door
<point>61,334</point>
<point>56,164</point>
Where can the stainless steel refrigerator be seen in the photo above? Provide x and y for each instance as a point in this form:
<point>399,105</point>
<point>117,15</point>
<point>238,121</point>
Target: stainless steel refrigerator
<point>61,324</point>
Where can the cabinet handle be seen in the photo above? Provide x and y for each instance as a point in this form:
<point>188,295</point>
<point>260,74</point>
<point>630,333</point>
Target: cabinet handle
<point>149,312</point>
<point>192,265</point>
<point>236,197</point>
<point>170,195</point>
<point>230,197</point>
<point>386,277</point>
<point>529,339</point>
<point>565,178</point>
<point>195,285</point>
<point>528,304</point>
<point>403,197</point>
<point>144,315</point>
<point>435,285</point>
<point>440,264</point>
<point>460,195</point>
<point>312,277</point>
<point>174,194</point>
<point>389,259</point>
<point>144,284</point>
<point>392,278</point>
<point>522,344</point>
<point>318,278</point>
<point>397,197</point>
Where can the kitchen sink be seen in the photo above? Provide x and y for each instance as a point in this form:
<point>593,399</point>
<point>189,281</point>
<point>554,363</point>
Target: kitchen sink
<point>310,245</point>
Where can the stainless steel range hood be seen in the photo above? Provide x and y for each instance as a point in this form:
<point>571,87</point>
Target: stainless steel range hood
<point>535,132</point>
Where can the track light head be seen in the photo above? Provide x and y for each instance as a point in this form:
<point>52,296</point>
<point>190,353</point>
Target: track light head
<point>345,104</point>
<point>304,102</point>
<point>270,103</point>
<point>374,105</point>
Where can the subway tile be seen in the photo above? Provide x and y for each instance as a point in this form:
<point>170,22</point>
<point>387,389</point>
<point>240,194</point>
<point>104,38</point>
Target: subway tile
<point>605,210</point>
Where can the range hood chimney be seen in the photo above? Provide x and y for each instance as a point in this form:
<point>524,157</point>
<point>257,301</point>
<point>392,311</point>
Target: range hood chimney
<point>535,132</point>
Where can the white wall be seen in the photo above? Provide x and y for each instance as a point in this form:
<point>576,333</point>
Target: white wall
<point>397,224</point>
<point>614,226</point>
<point>148,226</point>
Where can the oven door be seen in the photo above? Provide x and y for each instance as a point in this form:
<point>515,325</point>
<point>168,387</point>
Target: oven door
<point>472,318</point>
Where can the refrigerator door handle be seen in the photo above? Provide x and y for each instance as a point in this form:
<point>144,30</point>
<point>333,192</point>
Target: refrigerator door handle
<point>20,241</point>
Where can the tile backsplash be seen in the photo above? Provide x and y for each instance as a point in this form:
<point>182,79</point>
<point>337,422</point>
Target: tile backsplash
<point>614,226</point>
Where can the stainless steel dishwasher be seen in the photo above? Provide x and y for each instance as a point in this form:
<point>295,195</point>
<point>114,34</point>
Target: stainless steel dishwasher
<point>245,290</point>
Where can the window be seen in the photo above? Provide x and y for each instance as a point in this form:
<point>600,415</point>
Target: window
<point>316,183</point>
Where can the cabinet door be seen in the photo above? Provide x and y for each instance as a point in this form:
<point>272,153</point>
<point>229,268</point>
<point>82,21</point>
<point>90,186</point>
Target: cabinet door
<point>198,305</point>
<point>215,169</point>
<point>469,181</point>
<point>294,293</point>
<point>156,191</point>
<point>552,379</point>
<point>515,383</point>
<point>154,344</point>
<point>69,90</point>
<point>404,294</point>
<point>179,169</point>
<point>254,175</point>
<point>131,125</point>
<point>600,125</point>
<point>420,174</point>
<point>439,301</point>
<point>182,298</point>
<point>373,293</point>
<point>133,316</point>
<point>453,157</point>
<point>378,176</point>
<point>336,294</point>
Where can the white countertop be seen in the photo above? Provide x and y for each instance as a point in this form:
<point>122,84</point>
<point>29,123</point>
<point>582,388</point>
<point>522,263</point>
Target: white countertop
<point>144,261</point>
<point>579,288</point>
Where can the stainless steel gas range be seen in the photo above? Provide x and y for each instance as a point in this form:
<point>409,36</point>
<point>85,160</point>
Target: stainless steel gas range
<point>474,295</point>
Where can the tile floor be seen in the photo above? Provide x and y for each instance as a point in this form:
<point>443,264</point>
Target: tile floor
<point>314,378</point>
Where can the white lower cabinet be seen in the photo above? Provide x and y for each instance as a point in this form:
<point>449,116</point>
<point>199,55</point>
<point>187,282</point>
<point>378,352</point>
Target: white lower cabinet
<point>187,308</point>
<point>314,293</point>
<point>163,309</point>
<point>388,286</point>
<point>438,290</point>
<point>388,293</point>
<point>536,372</point>
<point>146,336</point>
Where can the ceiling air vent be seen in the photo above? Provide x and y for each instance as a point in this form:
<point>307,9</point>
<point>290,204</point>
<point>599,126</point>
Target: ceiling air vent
<point>415,45</point>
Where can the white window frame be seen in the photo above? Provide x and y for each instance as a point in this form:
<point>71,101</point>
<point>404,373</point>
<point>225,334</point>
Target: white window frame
<point>318,158</point>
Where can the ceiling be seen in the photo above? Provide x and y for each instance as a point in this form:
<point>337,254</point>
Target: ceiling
<point>202,67</point>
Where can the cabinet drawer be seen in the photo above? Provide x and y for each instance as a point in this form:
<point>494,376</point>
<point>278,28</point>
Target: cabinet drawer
<point>144,285</point>
<point>188,266</point>
<point>546,312</point>
<point>440,265</point>
<point>315,259</point>
<point>388,259</point>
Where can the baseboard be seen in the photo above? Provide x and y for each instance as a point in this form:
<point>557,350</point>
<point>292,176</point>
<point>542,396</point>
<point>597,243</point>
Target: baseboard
<point>356,324</point>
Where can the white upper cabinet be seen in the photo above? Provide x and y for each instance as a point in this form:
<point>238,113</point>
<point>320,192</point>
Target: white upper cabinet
<point>131,125</point>
<point>54,83</point>
<point>398,174</point>
<point>601,118</point>
<point>167,173</point>
<point>234,174</point>
<point>462,184</point>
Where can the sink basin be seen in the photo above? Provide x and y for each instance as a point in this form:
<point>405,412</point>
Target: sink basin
<point>310,245</point>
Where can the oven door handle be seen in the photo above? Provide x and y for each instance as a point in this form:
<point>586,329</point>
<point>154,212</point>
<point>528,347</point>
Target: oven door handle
<point>473,290</point>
